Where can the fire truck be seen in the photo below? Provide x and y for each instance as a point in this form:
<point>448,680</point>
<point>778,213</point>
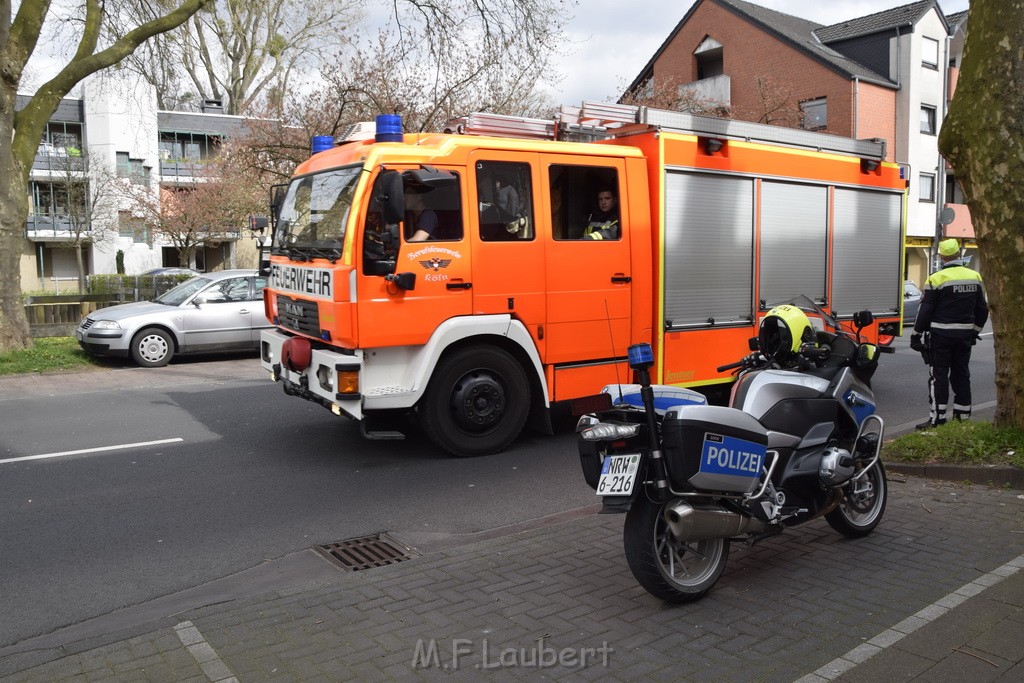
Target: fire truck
<point>455,278</point>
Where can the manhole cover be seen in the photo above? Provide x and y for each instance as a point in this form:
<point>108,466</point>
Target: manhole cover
<point>367,552</point>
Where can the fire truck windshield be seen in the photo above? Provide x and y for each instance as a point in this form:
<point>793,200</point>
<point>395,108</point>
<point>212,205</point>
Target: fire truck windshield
<point>314,214</point>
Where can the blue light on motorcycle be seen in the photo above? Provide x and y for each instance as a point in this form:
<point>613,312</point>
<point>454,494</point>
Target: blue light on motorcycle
<point>641,356</point>
<point>608,431</point>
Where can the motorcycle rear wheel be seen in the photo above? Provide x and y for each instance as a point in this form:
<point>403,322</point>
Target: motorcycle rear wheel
<point>670,569</point>
<point>863,504</point>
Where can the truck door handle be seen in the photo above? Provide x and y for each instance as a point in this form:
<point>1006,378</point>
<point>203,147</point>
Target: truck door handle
<point>459,285</point>
<point>621,279</point>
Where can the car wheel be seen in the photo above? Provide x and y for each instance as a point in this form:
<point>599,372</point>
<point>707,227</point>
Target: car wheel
<point>152,348</point>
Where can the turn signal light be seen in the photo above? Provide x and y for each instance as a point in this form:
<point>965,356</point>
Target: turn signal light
<point>348,382</point>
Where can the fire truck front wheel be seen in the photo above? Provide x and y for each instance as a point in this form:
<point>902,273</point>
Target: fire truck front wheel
<point>477,401</point>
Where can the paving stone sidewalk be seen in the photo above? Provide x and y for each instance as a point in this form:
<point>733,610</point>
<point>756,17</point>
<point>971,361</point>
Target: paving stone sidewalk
<point>559,602</point>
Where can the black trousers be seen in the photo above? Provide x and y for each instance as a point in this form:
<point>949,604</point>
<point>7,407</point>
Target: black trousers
<point>951,358</point>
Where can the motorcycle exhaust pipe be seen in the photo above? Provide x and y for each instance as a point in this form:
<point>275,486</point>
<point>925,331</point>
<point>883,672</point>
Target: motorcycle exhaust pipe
<point>689,523</point>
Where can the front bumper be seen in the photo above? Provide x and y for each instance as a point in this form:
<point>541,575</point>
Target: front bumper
<point>319,381</point>
<point>102,342</point>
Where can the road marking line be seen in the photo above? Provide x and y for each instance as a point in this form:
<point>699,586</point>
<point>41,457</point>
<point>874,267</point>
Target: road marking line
<point>860,654</point>
<point>91,450</point>
<point>207,658</point>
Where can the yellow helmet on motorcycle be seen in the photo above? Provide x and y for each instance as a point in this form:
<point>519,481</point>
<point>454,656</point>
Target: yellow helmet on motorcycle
<point>782,332</point>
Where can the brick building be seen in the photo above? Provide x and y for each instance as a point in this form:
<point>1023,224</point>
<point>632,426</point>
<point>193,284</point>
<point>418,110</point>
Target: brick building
<point>888,75</point>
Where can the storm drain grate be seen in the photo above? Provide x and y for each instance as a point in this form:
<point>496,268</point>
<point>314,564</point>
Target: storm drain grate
<point>367,552</point>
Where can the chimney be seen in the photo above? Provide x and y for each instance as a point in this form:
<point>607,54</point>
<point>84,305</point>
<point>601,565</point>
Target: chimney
<point>213,107</point>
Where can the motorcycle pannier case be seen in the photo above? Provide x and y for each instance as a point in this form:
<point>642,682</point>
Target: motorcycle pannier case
<point>711,448</point>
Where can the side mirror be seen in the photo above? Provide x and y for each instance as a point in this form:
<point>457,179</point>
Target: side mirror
<point>863,318</point>
<point>391,196</point>
<point>198,300</point>
<point>383,267</point>
<point>404,281</point>
<point>753,344</point>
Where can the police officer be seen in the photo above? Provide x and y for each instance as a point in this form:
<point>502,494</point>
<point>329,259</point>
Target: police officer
<point>953,312</point>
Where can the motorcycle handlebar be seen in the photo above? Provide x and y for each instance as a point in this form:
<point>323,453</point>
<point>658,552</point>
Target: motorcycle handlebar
<point>731,366</point>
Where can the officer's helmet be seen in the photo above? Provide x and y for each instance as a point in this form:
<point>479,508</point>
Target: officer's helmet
<point>782,332</point>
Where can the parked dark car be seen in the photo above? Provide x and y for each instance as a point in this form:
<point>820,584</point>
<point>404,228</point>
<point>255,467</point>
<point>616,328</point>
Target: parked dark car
<point>911,302</point>
<point>220,311</point>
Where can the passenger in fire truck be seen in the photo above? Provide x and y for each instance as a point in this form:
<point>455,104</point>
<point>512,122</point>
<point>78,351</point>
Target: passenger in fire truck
<point>603,224</point>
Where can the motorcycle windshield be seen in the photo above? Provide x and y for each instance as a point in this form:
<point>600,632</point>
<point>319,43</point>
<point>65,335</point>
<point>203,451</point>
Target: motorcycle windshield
<point>807,305</point>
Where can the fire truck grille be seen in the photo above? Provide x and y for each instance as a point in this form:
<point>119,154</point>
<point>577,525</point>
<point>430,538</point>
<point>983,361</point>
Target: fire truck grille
<point>299,315</point>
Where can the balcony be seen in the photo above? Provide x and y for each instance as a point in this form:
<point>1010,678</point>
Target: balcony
<point>41,227</point>
<point>185,169</point>
<point>57,160</point>
<point>716,89</point>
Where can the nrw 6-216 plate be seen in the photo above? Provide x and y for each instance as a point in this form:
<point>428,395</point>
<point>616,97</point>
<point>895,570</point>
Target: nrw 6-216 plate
<point>618,475</point>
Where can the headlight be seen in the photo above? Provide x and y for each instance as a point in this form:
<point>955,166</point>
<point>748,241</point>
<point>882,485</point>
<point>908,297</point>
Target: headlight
<point>610,431</point>
<point>106,325</point>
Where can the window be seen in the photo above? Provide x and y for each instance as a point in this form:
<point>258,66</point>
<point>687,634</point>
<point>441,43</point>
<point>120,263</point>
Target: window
<point>927,192</point>
<point>132,169</point>
<point>710,58</point>
<point>61,139</point>
<point>815,113</point>
<point>432,213</point>
<point>584,203</point>
<point>131,226</point>
<point>188,147</point>
<point>928,119</point>
<point>506,201</point>
<point>930,53</point>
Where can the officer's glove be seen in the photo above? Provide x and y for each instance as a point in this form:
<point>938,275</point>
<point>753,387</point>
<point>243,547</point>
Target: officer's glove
<point>915,343</point>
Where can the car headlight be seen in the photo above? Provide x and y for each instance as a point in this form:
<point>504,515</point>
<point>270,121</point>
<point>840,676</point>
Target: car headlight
<point>106,325</point>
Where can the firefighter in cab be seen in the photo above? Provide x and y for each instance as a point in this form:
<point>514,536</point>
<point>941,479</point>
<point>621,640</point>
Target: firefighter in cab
<point>603,224</point>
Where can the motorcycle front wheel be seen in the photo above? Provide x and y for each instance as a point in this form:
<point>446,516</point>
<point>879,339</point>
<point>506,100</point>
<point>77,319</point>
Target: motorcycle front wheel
<point>863,504</point>
<point>673,570</point>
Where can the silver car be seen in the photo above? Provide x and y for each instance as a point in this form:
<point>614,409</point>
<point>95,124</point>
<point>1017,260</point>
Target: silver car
<point>220,311</point>
<point>911,302</point>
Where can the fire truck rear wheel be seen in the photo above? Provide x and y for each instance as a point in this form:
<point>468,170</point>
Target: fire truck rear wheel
<point>477,402</point>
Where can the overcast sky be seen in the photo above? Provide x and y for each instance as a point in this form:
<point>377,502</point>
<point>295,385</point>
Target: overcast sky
<point>614,39</point>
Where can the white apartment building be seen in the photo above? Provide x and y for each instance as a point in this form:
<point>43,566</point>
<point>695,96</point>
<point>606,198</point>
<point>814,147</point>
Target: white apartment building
<point>115,130</point>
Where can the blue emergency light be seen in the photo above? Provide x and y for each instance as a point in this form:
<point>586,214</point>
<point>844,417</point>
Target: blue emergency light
<point>640,356</point>
<point>319,143</point>
<point>389,128</point>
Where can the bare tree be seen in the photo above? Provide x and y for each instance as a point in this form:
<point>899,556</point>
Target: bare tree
<point>212,210</point>
<point>983,138</point>
<point>236,50</point>
<point>85,184</point>
<point>668,95</point>
<point>21,131</point>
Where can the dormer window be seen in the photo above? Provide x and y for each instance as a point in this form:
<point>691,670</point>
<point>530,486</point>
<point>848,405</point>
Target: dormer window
<point>710,60</point>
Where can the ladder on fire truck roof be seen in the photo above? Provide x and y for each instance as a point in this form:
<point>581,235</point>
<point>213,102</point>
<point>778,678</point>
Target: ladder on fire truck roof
<point>599,120</point>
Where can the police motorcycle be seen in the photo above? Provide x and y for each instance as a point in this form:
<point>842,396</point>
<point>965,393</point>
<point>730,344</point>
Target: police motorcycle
<point>799,441</point>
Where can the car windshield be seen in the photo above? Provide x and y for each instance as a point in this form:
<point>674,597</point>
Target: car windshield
<point>178,295</point>
<point>315,211</point>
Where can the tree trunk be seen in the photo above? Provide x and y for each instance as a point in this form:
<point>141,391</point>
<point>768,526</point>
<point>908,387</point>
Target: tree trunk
<point>983,139</point>
<point>14,331</point>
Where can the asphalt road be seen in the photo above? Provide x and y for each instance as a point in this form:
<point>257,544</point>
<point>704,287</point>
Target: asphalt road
<point>245,474</point>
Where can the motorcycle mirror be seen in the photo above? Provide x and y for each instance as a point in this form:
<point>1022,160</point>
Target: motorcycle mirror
<point>752,344</point>
<point>863,318</point>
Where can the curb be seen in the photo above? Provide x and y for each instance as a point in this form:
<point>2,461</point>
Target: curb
<point>993,475</point>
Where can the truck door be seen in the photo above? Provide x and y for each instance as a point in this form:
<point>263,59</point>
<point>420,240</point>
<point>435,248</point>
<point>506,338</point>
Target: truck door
<point>431,244</point>
<point>507,239</point>
<point>587,268</point>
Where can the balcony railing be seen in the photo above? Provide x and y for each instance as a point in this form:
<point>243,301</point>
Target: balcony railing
<point>41,227</point>
<point>182,168</point>
<point>716,89</point>
<point>59,160</point>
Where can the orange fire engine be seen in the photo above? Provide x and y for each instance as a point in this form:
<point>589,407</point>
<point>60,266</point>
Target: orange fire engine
<point>473,277</point>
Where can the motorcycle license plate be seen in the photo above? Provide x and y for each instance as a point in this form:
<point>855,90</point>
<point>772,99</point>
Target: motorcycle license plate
<point>618,475</point>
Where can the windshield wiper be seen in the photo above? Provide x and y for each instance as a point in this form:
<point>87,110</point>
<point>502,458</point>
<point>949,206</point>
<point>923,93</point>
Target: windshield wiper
<point>331,255</point>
